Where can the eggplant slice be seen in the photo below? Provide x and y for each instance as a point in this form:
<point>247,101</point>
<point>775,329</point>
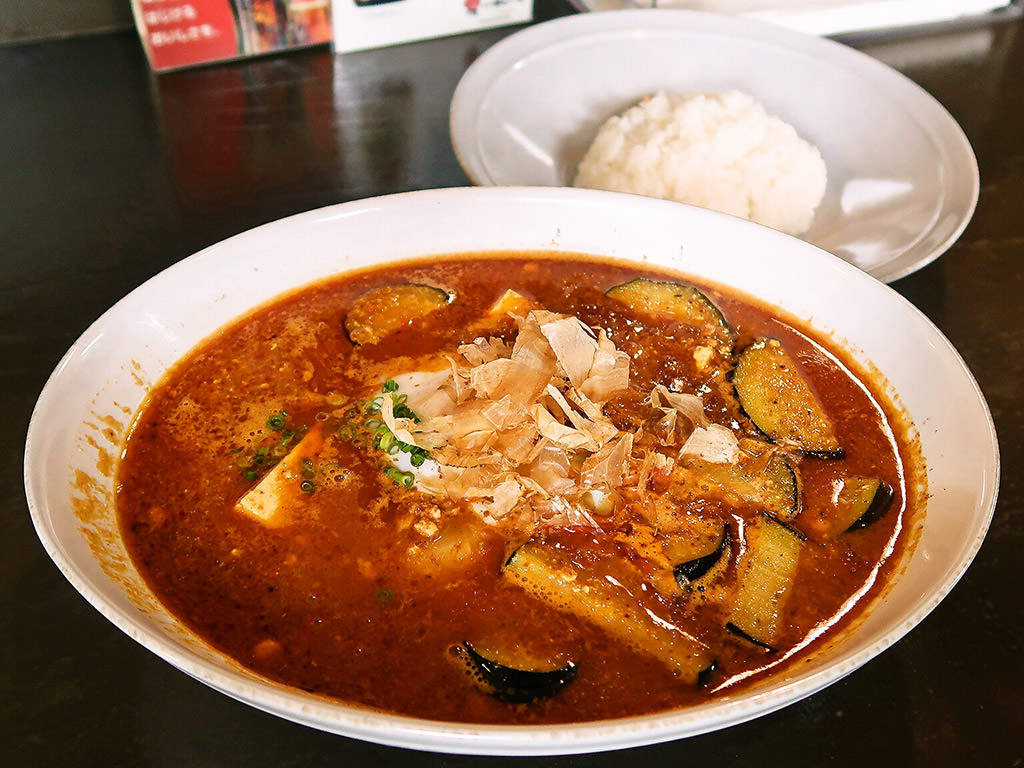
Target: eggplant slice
<point>510,684</point>
<point>681,302</point>
<point>766,573</point>
<point>769,481</point>
<point>705,568</point>
<point>779,401</point>
<point>862,501</point>
<point>782,489</point>
<point>383,310</point>
<point>550,577</point>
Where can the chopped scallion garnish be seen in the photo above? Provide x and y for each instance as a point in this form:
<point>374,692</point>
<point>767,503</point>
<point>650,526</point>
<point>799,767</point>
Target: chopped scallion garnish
<point>363,427</point>
<point>400,478</point>
<point>254,462</point>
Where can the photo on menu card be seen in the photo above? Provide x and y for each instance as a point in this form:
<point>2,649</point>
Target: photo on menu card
<point>180,33</point>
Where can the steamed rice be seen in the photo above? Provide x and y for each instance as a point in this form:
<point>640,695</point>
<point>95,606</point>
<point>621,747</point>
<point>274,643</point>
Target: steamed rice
<point>719,151</point>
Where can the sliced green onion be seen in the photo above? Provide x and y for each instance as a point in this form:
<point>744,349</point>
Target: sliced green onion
<point>398,477</point>
<point>403,411</point>
<point>307,486</point>
<point>389,386</point>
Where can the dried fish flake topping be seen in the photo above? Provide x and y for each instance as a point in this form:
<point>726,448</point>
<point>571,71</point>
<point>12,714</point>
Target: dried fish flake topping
<point>519,431</point>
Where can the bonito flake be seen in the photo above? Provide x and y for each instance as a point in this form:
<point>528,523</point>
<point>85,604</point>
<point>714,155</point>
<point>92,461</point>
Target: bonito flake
<point>524,439</point>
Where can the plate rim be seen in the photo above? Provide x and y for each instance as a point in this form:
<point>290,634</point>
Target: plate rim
<point>951,142</point>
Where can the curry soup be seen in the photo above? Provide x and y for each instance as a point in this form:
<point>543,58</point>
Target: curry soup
<point>504,488</point>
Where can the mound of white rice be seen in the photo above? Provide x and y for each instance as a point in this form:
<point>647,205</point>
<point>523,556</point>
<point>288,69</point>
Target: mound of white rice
<point>719,151</point>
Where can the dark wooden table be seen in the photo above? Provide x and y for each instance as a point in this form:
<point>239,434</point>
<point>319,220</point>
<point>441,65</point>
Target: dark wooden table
<point>108,175</point>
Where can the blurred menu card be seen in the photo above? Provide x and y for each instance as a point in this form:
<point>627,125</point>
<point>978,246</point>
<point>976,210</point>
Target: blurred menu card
<point>361,24</point>
<point>184,33</point>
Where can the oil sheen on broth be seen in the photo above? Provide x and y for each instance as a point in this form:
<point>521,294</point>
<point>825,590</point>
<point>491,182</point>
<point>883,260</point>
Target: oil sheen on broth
<point>509,488</point>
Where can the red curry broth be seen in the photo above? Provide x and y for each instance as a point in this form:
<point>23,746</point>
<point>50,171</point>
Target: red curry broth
<point>359,598</point>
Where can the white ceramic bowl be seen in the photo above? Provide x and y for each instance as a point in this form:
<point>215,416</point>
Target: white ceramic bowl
<point>87,406</point>
<point>903,180</point>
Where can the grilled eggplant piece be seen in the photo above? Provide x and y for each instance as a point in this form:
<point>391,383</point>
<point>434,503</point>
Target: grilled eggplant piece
<point>681,302</point>
<point>862,501</point>
<point>705,568</point>
<point>782,489</point>
<point>768,480</point>
<point>549,576</point>
<point>383,310</point>
<point>780,402</point>
<point>706,674</point>
<point>511,684</point>
<point>735,629</point>
<point>766,573</point>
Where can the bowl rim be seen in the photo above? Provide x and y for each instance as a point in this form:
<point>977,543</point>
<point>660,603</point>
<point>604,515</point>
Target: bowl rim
<point>460,738</point>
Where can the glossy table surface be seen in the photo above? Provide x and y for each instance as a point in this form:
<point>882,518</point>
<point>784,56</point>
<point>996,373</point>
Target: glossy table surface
<point>108,175</point>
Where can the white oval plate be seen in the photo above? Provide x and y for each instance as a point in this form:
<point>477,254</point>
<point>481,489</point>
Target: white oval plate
<point>87,405</point>
<point>903,180</point>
